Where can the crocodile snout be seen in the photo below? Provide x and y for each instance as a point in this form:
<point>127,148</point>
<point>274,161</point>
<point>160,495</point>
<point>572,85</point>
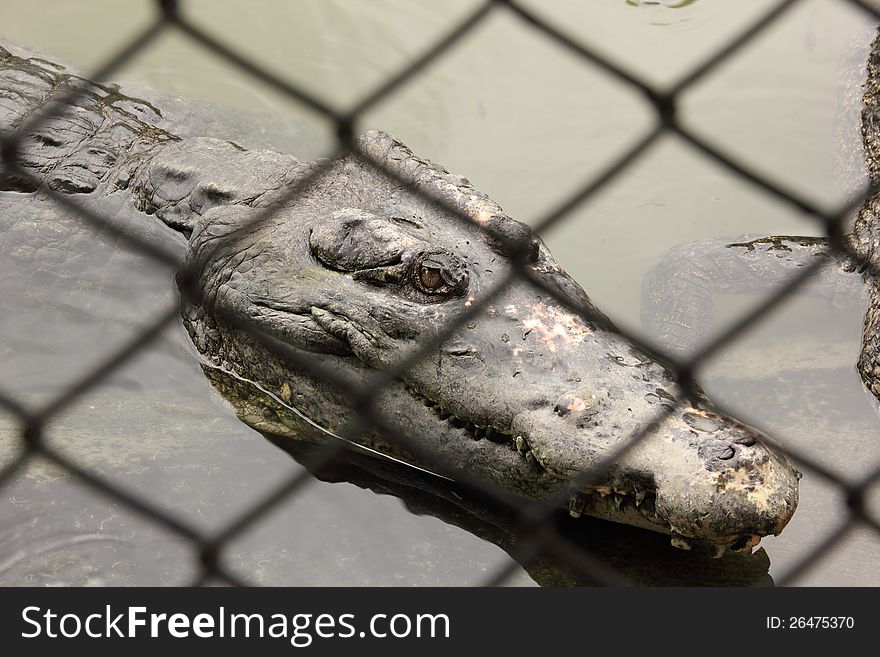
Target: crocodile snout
<point>698,476</point>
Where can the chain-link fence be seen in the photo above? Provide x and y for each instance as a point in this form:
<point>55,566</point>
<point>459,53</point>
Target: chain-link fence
<point>534,518</point>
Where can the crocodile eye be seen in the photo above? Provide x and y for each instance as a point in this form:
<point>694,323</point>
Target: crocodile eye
<point>439,274</point>
<point>431,277</point>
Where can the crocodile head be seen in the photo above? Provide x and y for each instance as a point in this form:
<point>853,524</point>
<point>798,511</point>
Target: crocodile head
<point>360,272</point>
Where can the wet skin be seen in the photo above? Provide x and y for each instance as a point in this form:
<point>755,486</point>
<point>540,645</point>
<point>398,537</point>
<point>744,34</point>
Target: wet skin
<point>358,272</point>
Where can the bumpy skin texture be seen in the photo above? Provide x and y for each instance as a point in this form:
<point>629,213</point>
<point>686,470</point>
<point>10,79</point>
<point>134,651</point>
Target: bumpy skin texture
<point>359,271</point>
<point>866,231</point>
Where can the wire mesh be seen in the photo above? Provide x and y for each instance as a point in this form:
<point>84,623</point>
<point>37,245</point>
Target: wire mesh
<point>533,517</point>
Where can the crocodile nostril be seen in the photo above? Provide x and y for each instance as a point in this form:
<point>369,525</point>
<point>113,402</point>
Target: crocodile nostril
<point>747,441</point>
<point>726,454</point>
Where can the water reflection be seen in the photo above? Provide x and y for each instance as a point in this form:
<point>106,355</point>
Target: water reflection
<point>639,557</point>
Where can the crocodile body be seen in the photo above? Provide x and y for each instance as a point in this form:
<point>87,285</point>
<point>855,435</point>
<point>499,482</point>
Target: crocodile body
<point>357,272</point>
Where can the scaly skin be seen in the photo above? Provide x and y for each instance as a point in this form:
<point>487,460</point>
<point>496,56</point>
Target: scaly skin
<point>358,272</point>
<point>866,231</point>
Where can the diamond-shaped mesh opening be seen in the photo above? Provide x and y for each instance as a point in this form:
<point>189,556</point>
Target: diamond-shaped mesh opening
<point>845,563</point>
<point>645,48</point>
<point>803,388</point>
<point>635,232</point>
<point>59,532</point>
<point>71,294</point>
<point>821,554</point>
<point>537,523</point>
<point>499,125</point>
<point>202,95</point>
<point>135,431</point>
<point>348,537</point>
<point>808,66</point>
<point>380,40</point>
<point>101,28</point>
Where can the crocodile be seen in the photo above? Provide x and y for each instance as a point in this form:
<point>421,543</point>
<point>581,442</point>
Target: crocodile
<point>355,273</point>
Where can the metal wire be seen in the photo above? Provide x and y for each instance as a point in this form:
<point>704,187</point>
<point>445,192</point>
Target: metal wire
<point>534,518</point>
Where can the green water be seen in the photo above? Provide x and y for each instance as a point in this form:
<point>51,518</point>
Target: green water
<point>529,124</point>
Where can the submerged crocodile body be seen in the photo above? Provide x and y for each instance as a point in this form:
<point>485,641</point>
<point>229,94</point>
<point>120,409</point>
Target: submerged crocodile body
<point>357,272</point>
<point>692,273</point>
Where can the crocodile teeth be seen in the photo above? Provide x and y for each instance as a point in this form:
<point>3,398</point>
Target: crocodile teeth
<point>521,445</point>
<point>640,497</point>
<point>533,461</point>
<point>648,507</point>
<point>679,541</point>
<point>576,506</point>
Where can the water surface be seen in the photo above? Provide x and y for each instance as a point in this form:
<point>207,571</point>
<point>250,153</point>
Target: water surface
<point>528,124</point>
